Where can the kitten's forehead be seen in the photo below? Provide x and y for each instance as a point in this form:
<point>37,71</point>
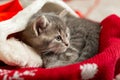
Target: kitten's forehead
<point>57,23</point>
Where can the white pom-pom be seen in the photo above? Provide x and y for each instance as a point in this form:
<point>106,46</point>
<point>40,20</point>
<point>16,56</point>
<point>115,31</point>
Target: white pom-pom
<point>88,71</point>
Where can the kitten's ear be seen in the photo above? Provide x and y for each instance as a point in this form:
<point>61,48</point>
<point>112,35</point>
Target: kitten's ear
<point>40,24</point>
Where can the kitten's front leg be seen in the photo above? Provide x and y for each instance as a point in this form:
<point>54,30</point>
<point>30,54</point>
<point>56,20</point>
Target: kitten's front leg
<point>66,58</point>
<point>70,55</point>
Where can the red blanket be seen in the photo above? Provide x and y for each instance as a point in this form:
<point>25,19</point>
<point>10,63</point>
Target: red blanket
<point>104,66</point>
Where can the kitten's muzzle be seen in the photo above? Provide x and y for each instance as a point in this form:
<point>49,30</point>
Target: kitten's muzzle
<point>66,44</point>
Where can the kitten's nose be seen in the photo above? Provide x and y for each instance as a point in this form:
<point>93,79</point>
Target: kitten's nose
<point>66,44</point>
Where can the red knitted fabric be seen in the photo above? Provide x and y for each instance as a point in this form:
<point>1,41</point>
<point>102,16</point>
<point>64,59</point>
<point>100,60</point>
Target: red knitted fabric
<point>103,66</point>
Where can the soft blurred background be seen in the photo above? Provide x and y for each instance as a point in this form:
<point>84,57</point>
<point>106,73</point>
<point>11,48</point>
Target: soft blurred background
<point>93,9</point>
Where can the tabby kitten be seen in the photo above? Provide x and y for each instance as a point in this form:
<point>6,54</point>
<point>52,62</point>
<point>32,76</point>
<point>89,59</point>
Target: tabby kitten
<point>84,42</point>
<point>61,42</point>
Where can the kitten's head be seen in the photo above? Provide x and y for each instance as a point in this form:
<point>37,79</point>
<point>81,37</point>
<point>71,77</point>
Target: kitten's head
<point>48,33</point>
